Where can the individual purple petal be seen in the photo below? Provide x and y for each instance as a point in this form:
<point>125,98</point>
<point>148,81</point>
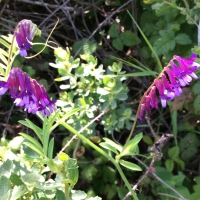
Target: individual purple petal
<point>175,83</point>
<point>184,61</point>
<point>141,115</point>
<point>13,83</point>
<point>154,101</point>
<point>3,87</point>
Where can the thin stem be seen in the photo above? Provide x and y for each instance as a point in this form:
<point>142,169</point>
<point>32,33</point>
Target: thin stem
<point>148,43</point>
<point>67,191</point>
<point>168,195</point>
<point>102,153</point>
<point>198,33</point>
<point>171,188</point>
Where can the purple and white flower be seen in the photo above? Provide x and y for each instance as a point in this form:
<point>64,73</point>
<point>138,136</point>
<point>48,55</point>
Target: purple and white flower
<point>177,74</point>
<point>27,93</point>
<point>24,33</point>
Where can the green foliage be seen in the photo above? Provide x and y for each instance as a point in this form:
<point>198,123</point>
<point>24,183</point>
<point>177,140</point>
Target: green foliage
<point>121,39</point>
<point>189,146</point>
<point>94,99</point>
<point>173,154</point>
<point>174,181</point>
<point>92,89</point>
<point>85,47</point>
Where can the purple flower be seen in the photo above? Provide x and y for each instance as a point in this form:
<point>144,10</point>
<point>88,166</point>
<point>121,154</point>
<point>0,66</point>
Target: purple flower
<point>177,74</point>
<point>24,33</point>
<point>28,93</point>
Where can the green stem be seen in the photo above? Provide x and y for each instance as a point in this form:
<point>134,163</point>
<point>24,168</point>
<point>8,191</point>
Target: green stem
<point>102,153</point>
<point>66,192</point>
<point>148,43</point>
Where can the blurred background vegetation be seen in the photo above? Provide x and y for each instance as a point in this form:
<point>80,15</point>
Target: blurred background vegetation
<point>104,29</point>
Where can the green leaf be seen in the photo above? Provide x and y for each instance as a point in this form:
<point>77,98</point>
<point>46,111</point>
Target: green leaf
<point>4,52</point>
<point>189,146</point>
<point>94,198</point>
<point>196,188</point>
<point>5,186</point>
<point>114,30</point>
<point>108,146</point>
<point>32,126</point>
<point>18,191</point>
<point>197,104</point>
<point>166,43</point>
<point>102,91</point>
<point>64,73</point>
<point>118,44</point>
<point>130,165</point>
<point>50,149</point>
<point>122,96</point>
<point>131,147</point>
<point>33,141</point>
<point>78,195</point>
<point>195,196</point>
<point>196,87</point>
<point>147,140</point>
<point>72,171</point>
<point>179,179</point>
<point>169,163</point>
<point>197,180</point>
<point>129,38</point>
<point>183,39</point>
<point>5,61</point>
<point>59,195</point>
<point>2,41</point>
<point>85,48</point>
<point>31,177</point>
<point>53,166</point>
<point>164,174</point>
<point>62,78</point>
<point>15,179</point>
<point>146,73</point>
<point>6,168</point>
<point>116,146</point>
<point>62,54</point>
<point>174,152</point>
<point>180,163</point>
<point>33,147</point>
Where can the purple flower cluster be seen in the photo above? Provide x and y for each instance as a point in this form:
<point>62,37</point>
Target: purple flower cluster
<point>24,33</point>
<point>28,93</point>
<point>177,74</point>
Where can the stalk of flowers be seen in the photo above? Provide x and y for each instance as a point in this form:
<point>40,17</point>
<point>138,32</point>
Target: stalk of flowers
<point>178,73</point>
<point>25,31</point>
<point>27,93</point>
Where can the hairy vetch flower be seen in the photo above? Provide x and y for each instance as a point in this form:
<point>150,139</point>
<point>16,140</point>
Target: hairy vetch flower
<point>178,73</point>
<point>28,93</point>
<point>24,33</point>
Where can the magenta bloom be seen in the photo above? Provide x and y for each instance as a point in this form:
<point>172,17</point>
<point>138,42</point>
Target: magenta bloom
<point>24,33</point>
<point>177,74</point>
<point>28,93</point>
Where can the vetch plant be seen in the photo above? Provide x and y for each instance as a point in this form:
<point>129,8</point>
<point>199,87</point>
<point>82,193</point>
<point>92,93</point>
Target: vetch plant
<point>89,92</point>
